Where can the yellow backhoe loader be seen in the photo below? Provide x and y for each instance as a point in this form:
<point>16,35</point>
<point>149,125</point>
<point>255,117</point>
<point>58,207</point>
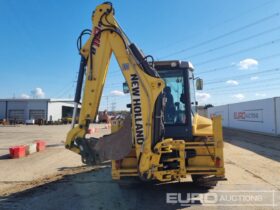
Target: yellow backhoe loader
<point>163,138</point>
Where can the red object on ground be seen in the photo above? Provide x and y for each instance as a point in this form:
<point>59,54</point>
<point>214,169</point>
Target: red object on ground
<point>90,131</point>
<point>40,145</point>
<point>17,152</point>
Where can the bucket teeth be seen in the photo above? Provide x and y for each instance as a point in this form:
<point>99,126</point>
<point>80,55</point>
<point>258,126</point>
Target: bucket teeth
<point>87,151</point>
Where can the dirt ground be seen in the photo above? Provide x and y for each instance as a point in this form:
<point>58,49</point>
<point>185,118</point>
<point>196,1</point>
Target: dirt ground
<point>17,174</point>
<point>56,178</point>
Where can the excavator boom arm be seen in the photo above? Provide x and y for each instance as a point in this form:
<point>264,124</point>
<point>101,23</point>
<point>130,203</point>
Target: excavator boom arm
<point>144,84</point>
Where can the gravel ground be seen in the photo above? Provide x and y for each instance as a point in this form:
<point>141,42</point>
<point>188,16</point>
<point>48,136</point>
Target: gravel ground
<point>56,179</point>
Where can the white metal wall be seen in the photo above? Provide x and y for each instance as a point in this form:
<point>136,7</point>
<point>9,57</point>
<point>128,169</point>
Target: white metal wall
<point>277,106</point>
<point>259,116</point>
<point>55,109</point>
<point>256,115</point>
<point>220,110</point>
<point>202,112</point>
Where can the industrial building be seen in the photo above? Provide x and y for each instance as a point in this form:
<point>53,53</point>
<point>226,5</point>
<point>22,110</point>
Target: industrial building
<point>21,110</point>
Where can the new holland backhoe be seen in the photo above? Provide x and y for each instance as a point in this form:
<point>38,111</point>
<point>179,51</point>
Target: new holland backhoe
<point>163,138</point>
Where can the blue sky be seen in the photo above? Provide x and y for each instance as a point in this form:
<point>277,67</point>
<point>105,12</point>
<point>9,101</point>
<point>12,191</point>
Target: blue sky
<point>234,46</point>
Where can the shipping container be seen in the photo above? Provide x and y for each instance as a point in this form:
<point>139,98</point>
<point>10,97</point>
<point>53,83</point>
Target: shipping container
<point>220,110</point>
<point>258,116</point>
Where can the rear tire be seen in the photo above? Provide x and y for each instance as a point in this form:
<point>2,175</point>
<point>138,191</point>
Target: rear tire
<point>203,181</point>
<point>197,179</point>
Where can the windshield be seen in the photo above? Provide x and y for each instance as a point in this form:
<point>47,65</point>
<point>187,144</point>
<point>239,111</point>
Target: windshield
<point>192,93</point>
<point>174,93</point>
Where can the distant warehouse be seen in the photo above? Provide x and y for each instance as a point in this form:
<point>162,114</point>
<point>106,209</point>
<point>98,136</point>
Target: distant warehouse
<point>21,110</point>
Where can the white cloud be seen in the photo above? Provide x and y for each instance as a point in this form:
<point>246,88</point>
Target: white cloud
<point>117,93</point>
<point>248,63</point>
<point>254,78</point>
<point>24,96</point>
<point>260,94</point>
<point>238,96</point>
<point>38,93</point>
<point>203,96</point>
<point>232,82</point>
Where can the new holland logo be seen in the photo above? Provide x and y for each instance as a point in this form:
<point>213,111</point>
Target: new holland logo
<point>96,41</point>
<point>137,112</point>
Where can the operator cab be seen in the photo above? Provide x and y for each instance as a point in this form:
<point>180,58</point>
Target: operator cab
<point>179,94</point>
<point>179,97</point>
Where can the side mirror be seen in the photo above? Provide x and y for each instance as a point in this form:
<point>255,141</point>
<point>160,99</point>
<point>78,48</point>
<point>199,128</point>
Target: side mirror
<point>125,88</point>
<point>199,84</point>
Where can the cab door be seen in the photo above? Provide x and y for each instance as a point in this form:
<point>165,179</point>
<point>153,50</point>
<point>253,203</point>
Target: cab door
<point>177,113</point>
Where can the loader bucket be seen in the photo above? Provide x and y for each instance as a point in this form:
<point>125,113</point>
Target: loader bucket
<point>114,146</point>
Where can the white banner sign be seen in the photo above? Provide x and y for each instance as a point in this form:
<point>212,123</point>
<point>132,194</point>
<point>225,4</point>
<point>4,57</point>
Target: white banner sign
<point>249,115</point>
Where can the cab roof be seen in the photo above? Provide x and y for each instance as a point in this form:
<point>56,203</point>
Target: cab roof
<point>173,64</point>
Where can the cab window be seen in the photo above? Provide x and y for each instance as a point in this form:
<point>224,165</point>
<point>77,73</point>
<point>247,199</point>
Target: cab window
<point>175,112</point>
